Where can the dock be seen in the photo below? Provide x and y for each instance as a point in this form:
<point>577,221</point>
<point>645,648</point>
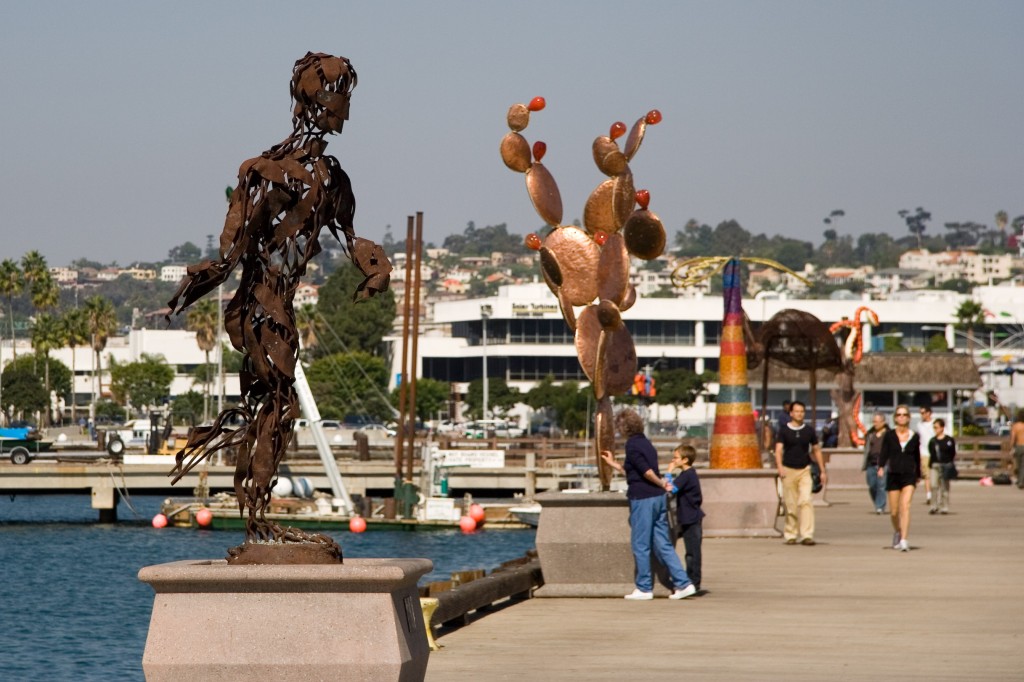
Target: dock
<point>849,608</point>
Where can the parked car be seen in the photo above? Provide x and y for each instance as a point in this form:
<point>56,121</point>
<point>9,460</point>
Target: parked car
<point>377,428</point>
<point>482,428</point>
<point>549,430</point>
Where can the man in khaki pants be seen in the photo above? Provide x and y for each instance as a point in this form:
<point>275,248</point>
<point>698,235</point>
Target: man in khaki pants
<point>794,446</point>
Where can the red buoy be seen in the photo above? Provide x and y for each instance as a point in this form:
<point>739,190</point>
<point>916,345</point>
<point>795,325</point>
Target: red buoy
<point>357,524</point>
<point>467,524</point>
<point>204,517</point>
<point>477,513</point>
<point>159,521</point>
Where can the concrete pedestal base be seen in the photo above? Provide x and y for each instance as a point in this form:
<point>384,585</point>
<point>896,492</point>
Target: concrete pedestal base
<point>844,469</point>
<point>583,547</point>
<point>740,502</point>
<point>360,620</point>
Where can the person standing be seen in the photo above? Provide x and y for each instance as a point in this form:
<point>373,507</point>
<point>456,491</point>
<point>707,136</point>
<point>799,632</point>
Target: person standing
<point>1017,446</point>
<point>688,511</point>
<point>795,444</point>
<point>648,510</point>
<point>872,452</point>
<point>942,452</point>
<point>900,462</point>
<point>925,431</point>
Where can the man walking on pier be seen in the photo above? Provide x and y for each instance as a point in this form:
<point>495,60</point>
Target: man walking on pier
<point>795,444</point>
<point>1017,446</point>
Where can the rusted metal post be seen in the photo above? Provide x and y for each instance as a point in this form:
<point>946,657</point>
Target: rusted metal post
<point>404,376</point>
<point>414,360</point>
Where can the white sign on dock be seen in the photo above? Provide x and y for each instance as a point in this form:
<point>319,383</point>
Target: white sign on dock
<point>440,509</point>
<point>475,459</point>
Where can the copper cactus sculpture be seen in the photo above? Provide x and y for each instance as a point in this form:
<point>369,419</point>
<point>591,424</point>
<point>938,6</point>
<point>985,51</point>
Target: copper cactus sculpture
<point>284,198</point>
<point>588,267</point>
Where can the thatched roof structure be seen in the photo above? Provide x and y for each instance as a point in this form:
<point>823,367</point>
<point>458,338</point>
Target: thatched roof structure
<point>800,340</point>
<point>905,371</point>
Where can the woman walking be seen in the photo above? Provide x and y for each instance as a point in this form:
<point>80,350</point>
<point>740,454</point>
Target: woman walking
<point>901,453</point>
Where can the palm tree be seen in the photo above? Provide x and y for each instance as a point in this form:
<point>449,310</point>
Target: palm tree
<point>38,280</point>
<point>969,316</point>
<point>76,333</point>
<point>202,319</point>
<point>101,322</point>
<point>308,325</point>
<point>12,283</point>
<point>45,292</point>
<point>47,334</point>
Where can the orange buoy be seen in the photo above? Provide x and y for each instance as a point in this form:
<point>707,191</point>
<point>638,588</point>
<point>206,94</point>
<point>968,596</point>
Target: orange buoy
<point>467,524</point>
<point>204,517</point>
<point>159,521</point>
<point>357,524</point>
<point>477,513</point>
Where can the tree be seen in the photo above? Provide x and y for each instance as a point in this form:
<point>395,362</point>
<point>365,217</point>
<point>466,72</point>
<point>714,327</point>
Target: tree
<point>101,322</point>
<point>48,333</point>
<point>42,288</point>
<point>916,222</point>
<point>309,326</point>
<point>24,392</point>
<point>142,383</point>
<point>936,344</point>
<point>568,404</point>
<point>185,253</point>
<point>76,333</point>
<point>355,326</point>
<point>680,386</point>
<point>186,407</point>
<point>202,319</point>
<point>350,383</point>
<point>431,397</point>
<point>500,397</point>
<point>970,315</point>
<point>12,283</point>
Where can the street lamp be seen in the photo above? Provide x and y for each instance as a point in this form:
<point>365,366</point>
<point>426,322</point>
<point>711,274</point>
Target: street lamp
<point>485,314</point>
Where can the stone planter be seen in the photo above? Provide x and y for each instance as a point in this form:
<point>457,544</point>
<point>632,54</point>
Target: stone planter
<point>740,502</point>
<point>583,546</point>
<point>357,620</point>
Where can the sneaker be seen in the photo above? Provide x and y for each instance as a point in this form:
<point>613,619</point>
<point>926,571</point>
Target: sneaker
<point>790,541</point>
<point>684,592</point>
<point>928,498</point>
<point>807,541</point>
<point>943,511</point>
<point>639,595</point>
<point>896,540</point>
<point>879,511</point>
<point>933,510</point>
<point>904,546</point>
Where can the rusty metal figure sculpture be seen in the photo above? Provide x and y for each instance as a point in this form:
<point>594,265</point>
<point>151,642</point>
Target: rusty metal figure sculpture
<point>589,266</point>
<point>284,198</point>
<point>847,399</point>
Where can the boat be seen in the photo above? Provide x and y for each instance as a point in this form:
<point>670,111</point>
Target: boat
<point>527,513</point>
<point>22,444</point>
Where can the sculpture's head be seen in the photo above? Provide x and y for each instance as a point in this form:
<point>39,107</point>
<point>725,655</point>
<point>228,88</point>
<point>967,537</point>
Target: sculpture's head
<point>321,89</point>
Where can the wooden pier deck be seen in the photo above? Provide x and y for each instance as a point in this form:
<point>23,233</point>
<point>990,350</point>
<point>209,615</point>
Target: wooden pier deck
<point>848,608</point>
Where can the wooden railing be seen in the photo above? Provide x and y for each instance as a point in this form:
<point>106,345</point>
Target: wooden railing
<point>978,456</point>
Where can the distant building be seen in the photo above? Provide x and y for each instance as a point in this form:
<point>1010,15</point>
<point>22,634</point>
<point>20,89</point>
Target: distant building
<point>173,273</point>
<point>307,294</point>
<point>944,266</point>
<point>64,276</point>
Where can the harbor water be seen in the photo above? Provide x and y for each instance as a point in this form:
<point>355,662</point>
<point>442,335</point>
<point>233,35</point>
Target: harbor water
<point>72,608</point>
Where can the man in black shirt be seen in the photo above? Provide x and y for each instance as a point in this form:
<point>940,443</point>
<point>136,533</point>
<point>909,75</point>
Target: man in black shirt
<point>795,443</point>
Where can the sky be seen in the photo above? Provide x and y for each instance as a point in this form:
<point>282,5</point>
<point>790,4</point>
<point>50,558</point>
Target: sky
<point>121,123</point>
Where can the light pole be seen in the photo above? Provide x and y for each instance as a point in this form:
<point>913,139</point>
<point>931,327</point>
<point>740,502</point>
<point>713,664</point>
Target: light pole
<point>485,314</point>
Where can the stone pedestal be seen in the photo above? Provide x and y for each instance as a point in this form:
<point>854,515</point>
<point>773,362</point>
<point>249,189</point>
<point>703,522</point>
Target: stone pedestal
<point>360,620</point>
<point>583,547</point>
<point>740,502</point>
<point>844,468</point>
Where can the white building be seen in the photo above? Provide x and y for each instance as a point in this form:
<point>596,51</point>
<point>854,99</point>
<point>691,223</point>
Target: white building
<point>173,273</point>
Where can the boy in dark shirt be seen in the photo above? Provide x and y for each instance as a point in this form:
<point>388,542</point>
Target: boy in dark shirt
<point>688,511</point>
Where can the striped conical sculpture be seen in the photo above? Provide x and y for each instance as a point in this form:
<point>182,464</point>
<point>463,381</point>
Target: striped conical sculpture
<point>734,442</point>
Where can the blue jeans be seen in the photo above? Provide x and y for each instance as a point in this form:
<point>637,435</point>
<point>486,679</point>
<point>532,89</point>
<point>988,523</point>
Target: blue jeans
<point>876,486</point>
<point>648,524</point>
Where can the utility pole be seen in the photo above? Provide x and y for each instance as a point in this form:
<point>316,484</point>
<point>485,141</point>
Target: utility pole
<point>485,314</point>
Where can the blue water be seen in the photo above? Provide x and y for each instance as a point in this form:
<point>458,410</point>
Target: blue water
<point>71,607</point>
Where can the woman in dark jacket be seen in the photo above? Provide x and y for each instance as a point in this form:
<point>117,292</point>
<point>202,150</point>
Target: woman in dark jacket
<point>901,454</point>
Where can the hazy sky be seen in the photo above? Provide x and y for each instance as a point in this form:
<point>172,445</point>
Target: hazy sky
<point>122,122</point>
